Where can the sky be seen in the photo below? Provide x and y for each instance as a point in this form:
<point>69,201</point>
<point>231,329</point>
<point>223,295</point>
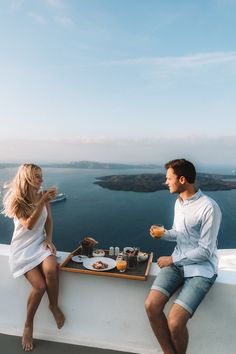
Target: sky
<point>118,80</point>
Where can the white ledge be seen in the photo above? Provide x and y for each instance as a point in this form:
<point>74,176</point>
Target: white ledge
<point>107,312</point>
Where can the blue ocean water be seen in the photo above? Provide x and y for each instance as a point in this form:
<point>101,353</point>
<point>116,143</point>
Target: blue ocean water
<point>115,218</point>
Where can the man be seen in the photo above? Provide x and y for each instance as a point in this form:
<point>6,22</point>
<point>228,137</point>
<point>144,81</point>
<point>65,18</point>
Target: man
<point>193,264</point>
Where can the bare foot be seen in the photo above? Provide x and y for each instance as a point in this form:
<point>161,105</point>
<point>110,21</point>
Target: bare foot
<point>27,338</point>
<point>58,315</point>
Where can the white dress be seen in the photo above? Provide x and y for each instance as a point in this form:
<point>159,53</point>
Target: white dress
<point>26,249</point>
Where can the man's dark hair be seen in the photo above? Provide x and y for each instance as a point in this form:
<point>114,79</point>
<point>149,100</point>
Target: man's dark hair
<point>184,168</point>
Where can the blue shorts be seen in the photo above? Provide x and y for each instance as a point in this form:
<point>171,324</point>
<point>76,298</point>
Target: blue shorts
<point>193,290</point>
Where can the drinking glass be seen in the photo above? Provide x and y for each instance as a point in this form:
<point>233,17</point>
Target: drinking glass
<point>121,263</point>
<point>157,231</point>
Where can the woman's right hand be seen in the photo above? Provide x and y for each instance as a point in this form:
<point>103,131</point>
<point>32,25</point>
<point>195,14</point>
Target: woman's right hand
<point>48,194</point>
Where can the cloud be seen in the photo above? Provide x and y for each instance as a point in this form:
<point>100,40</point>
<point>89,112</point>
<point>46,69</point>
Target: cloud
<point>203,68</point>
<point>165,65</point>
<point>37,17</point>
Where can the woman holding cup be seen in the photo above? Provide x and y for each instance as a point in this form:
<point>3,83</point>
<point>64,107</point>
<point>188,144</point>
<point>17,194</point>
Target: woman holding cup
<point>32,252</point>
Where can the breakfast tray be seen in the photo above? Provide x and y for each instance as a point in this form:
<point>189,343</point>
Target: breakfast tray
<point>139,273</point>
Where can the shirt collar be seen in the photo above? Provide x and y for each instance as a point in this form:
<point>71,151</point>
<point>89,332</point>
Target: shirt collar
<point>196,196</point>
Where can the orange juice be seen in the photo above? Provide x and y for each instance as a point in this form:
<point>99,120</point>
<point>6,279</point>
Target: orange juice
<point>121,265</point>
<point>157,231</point>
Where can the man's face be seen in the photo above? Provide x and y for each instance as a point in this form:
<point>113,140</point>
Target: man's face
<point>173,182</point>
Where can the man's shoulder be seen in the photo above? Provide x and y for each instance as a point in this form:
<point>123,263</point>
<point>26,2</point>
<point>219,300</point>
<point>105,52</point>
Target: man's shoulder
<point>207,201</point>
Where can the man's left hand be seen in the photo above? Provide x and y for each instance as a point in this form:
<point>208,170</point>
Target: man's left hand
<point>164,261</point>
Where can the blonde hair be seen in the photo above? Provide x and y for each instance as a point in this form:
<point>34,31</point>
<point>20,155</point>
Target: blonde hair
<point>19,199</point>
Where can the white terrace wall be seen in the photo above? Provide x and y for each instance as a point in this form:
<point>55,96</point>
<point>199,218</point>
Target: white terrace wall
<point>107,312</point>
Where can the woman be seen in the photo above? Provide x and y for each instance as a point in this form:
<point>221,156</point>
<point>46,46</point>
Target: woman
<point>32,252</point>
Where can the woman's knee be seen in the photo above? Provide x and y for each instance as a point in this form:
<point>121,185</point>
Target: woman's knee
<point>40,287</point>
<point>51,273</point>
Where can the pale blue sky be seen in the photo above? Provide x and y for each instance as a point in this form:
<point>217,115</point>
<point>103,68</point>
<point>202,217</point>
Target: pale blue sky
<point>118,80</point>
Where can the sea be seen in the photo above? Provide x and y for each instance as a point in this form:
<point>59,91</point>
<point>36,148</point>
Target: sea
<point>115,218</point>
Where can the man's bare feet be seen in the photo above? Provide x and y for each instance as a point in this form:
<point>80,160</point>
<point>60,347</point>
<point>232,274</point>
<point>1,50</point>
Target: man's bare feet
<point>27,338</point>
<point>58,315</point>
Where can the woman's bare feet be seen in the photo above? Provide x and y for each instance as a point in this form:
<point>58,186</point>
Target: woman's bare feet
<point>27,338</point>
<point>58,315</point>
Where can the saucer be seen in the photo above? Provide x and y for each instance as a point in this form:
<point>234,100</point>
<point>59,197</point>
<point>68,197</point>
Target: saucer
<point>79,258</point>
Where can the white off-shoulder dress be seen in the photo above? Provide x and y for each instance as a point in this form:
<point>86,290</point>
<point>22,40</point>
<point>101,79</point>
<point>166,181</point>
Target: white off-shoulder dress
<point>27,248</point>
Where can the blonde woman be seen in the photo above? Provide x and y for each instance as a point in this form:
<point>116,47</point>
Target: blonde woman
<point>32,252</point>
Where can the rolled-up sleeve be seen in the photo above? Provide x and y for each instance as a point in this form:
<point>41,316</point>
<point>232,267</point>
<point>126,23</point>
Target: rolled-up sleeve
<point>170,235</point>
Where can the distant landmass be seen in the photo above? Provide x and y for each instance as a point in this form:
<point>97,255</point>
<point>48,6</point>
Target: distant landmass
<point>90,165</point>
<point>107,165</point>
<point>154,182</point>
<point>8,165</point>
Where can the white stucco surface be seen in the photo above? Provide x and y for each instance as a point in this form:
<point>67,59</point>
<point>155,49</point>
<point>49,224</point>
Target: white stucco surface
<point>109,312</point>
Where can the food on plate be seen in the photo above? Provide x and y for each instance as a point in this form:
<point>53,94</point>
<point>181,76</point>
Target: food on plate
<point>100,265</point>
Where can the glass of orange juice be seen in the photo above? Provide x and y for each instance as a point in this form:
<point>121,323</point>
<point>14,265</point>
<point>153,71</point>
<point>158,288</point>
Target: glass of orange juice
<point>157,231</point>
<point>121,263</point>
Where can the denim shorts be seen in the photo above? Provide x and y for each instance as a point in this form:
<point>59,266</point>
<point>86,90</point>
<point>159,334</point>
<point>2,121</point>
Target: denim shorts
<point>193,290</point>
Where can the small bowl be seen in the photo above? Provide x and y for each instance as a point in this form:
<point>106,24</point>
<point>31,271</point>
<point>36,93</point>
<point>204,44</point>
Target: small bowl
<point>128,250</point>
<point>98,253</point>
<point>142,256</point>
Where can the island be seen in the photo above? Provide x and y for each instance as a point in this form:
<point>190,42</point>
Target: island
<point>152,182</point>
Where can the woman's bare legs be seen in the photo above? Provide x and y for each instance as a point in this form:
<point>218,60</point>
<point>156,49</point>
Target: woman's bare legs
<point>43,277</point>
<point>38,283</point>
<point>50,271</point>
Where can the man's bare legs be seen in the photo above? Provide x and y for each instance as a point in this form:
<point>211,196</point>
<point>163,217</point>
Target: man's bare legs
<point>37,281</point>
<point>177,323</point>
<point>50,271</point>
<point>171,333</point>
<point>155,304</point>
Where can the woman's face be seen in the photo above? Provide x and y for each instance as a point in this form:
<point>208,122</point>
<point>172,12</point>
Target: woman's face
<point>38,178</point>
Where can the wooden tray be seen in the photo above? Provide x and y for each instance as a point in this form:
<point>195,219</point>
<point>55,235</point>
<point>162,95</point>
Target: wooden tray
<point>139,273</point>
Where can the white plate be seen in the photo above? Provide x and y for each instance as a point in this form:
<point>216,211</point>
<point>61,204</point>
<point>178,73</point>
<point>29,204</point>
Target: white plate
<point>79,259</point>
<point>88,263</point>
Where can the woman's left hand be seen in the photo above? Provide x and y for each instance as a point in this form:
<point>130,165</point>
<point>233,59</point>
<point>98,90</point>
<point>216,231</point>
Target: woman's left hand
<point>50,246</point>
